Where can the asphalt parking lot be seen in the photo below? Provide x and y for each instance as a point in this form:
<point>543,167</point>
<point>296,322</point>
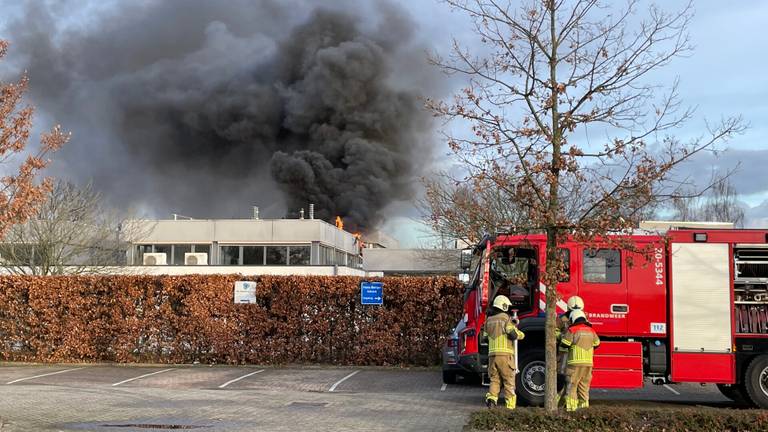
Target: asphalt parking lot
<point>225,398</point>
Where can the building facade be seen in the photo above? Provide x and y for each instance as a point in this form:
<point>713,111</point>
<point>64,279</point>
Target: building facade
<point>411,262</point>
<point>277,246</point>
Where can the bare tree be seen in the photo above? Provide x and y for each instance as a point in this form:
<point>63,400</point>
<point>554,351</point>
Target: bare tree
<point>718,203</point>
<point>73,233</point>
<point>546,73</point>
<point>466,210</point>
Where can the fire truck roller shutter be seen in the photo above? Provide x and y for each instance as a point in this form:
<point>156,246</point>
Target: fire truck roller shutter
<point>701,313</point>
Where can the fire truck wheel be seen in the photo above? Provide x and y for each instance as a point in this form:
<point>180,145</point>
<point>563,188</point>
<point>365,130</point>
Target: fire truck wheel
<point>530,381</point>
<point>736,393</point>
<point>756,381</point>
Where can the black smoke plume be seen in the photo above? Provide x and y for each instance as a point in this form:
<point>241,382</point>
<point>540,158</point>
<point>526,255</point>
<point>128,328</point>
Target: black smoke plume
<point>205,108</point>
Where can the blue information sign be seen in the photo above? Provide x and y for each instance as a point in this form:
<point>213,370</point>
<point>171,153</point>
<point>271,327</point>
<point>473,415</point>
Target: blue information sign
<point>372,293</point>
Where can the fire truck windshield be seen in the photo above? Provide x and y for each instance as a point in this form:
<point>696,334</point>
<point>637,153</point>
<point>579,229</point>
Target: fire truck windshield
<point>512,272</point>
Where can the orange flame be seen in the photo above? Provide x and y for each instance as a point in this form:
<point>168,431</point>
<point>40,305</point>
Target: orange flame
<point>339,223</point>
<point>359,239</point>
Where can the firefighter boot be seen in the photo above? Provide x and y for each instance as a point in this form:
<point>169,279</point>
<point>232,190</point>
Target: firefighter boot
<point>511,402</point>
<point>491,400</point>
<point>571,404</point>
<point>582,404</point>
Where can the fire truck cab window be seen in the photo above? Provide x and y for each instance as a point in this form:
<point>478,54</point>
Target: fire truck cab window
<point>602,266</point>
<point>512,271</point>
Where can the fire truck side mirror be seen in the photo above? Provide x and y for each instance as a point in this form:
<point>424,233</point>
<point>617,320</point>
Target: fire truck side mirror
<point>466,259</point>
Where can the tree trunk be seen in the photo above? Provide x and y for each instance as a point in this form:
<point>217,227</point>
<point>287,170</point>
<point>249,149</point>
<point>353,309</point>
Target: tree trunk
<point>550,343</point>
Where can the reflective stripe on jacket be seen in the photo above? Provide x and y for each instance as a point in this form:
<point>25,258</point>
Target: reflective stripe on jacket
<point>581,341</point>
<point>501,334</point>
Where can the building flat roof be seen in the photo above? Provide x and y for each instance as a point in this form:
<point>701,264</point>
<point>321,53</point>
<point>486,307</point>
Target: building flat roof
<point>241,231</point>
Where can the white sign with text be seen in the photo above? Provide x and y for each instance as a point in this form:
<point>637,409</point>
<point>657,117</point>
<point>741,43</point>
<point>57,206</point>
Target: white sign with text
<point>245,292</point>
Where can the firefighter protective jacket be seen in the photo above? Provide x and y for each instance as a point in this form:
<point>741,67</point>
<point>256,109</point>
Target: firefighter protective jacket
<point>563,322</point>
<point>581,341</point>
<point>501,334</point>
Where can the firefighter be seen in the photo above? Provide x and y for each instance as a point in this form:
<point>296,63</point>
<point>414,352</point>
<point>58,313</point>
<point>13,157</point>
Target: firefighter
<point>581,341</point>
<point>502,332</point>
<point>563,322</point>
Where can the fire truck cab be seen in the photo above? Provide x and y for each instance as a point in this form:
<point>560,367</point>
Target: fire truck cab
<point>694,309</point>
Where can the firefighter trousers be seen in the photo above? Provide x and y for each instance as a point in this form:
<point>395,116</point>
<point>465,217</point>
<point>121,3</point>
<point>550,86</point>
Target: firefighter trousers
<point>501,371</point>
<point>577,381</point>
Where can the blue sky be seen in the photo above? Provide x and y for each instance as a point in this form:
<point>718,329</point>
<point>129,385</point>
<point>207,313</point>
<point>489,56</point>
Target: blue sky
<point>726,75</point>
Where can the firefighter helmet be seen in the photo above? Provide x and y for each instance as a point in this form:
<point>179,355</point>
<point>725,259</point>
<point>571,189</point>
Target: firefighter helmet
<point>502,302</point>
<point>576,314</point>
<point>575,302</point>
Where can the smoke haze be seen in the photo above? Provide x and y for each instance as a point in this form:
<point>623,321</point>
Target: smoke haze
<point>205,108</point>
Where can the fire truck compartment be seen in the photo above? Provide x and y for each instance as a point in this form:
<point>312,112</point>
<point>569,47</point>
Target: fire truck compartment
<point>701,298</point>
<point>618,365</point>
<point>702,333</point>
<point>704,367</point>
<point>750,286</point>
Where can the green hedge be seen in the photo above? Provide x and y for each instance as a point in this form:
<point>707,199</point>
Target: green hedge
<point>622,418</point>
<point>182,319</point>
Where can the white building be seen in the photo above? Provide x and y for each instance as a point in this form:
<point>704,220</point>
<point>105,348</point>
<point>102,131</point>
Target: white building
<point>414,262</point>
<point>247,246</point>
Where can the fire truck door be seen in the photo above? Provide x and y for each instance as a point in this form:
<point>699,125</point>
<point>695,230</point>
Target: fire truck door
<point>603,286</point>
<point>569,283</point>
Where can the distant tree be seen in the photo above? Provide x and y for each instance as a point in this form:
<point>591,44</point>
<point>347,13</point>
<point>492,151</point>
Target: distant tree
<point>719,203</point>
<point>20,191</point>
<point>545,73</point>
<point>465,210</point>
<point>72,233</point>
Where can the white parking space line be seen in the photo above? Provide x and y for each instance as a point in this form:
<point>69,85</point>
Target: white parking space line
<point>333,387</point>
<point>238,379</point>
<point>671,389</point>
<point>140,377</point>
<point>445,386</point>
<point>43,375</point>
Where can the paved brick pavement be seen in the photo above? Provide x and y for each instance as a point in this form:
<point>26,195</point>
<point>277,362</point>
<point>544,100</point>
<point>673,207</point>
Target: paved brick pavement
<point>85,398</point>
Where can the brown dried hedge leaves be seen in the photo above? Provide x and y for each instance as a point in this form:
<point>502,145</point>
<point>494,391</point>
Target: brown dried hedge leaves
<point>182,319</point>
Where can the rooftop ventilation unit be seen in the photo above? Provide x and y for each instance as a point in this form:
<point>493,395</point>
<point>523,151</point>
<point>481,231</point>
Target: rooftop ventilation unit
<point>154,259</point>
<point>195,259</point>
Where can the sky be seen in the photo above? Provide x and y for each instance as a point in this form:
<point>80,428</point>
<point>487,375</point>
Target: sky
<point>724,76</point>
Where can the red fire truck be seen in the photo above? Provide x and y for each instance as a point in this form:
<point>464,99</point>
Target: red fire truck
<point>695,311</point>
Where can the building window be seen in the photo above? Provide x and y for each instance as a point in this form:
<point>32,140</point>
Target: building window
<point>602,266</point>
<point>166,249</point>
<point>277,255</point>
<point>253,255</point>
<point>178,254</point>
<point>20,254</point>
<point>298,255</point>
<point>230,255</point>
<point>202,248</point>
<point>140,251</point>
<point>326,255</point>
